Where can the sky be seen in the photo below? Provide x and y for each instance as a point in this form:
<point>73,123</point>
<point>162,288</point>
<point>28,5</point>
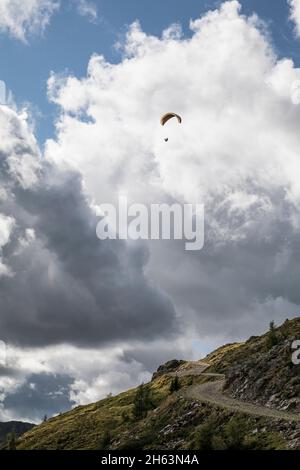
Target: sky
<point>70,39</point>
<point>87,83</point>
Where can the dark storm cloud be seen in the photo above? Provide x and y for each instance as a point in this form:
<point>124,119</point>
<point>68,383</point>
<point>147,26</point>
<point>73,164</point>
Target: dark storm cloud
<point>248,272</point>
<point>42,394</point>
<point>68,286</point>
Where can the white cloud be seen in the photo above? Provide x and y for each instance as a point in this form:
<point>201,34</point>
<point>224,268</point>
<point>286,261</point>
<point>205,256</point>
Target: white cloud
<point>88,9</point>
<point>239,122</point>
<point>6,226</point>
<point>21,18</point>
<point>237,149</point>
<point>295,14</point>
<point>23,163</point>
<point>94,373</point>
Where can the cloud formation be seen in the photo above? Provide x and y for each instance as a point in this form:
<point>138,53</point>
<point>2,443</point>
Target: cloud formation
<point>237,151</point>
<point>87,9</point>
<point>66,285</point>
<point>62,289</point>
<point>24,18</point>
<point>21,18</point>
<point>6,225</point>
<point>71,376</point>
<point>295,14</point>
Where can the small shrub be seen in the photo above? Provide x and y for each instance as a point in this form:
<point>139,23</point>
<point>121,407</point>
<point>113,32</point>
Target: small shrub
<point>105,440</point>
<point>175,384</point>
<point>235,433</point>
<point>142,402</point>
<point>206,436</point>
<point>125,417</point>
<point>272,338</point>
<point>211,436</point>
<point>11,441</point>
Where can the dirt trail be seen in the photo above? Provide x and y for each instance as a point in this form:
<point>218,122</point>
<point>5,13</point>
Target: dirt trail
<point>192,368</point>
<point>211,392</point>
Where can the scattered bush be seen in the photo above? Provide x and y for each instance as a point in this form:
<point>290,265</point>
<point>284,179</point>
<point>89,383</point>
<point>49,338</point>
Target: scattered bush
<point>11,441</point>
<point>272,338</point>
<point>142,402</point>
<point>125,417</point>
<point>105,440</point>
<point>211,436</point>
<point>175,384</point>
<point>206,435</point>
<point>235,433</point>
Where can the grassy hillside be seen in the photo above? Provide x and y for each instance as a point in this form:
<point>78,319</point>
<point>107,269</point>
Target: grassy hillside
<point>87,427</point>
<point>174,421</point>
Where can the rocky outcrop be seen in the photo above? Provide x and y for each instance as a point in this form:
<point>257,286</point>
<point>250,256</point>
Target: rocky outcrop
<point>267,376</point>
<point>170,366</point>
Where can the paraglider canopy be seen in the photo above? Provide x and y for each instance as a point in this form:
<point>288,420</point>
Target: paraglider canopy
<point>166,117</point>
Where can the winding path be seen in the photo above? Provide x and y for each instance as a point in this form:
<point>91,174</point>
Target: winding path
<point>212,392</point>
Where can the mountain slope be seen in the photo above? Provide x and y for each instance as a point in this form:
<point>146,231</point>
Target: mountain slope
<point>16,427</point>
<point>258,373</point>
<point>262,372</point>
